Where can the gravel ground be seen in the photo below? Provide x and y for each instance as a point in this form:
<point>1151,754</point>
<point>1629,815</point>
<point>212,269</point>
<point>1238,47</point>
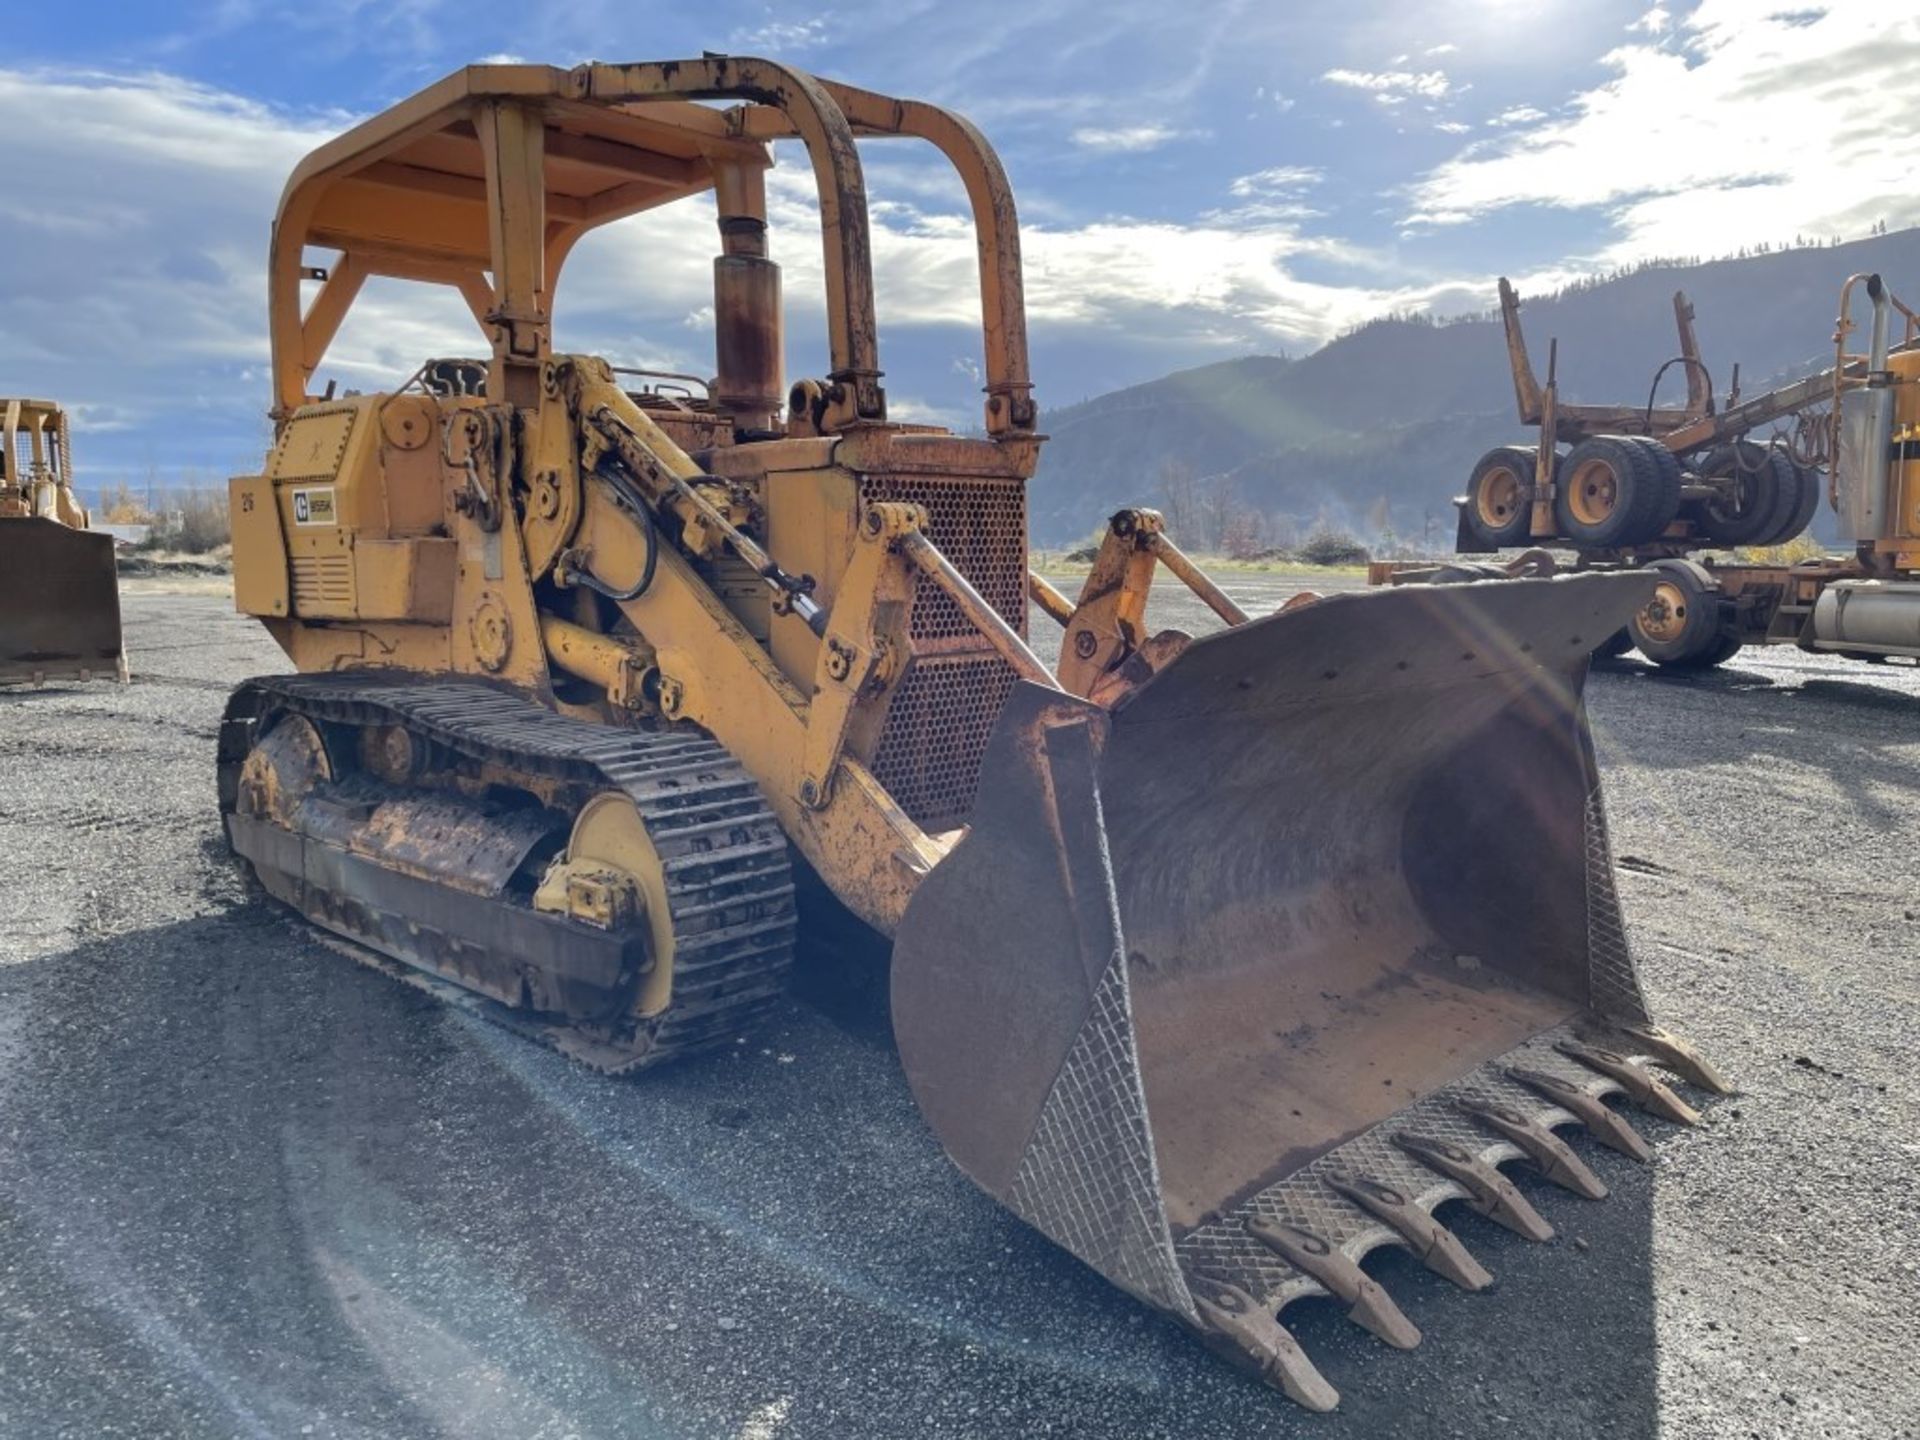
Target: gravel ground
<point>249,1188</point>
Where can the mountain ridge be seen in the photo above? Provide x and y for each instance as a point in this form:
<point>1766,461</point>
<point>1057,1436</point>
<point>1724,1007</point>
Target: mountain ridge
<point>1376,430</point>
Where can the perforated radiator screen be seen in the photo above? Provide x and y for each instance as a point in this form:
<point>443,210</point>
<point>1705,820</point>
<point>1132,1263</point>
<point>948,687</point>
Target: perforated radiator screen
<point>944,709</point>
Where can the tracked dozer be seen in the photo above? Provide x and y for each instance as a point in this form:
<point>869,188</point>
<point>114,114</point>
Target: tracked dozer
<point>1222,961</point>
<point>59,594</point>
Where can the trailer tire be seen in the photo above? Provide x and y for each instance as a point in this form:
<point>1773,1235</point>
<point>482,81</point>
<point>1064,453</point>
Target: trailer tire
<point>1669,463</point>
<point>1725,646</point>
<point>1499,508</point>
<point>1800,486</point>
<point>1681,624</point>
<point>1764,495</point>
<point>1613,491</point>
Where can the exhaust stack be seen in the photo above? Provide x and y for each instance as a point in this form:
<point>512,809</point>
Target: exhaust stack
<point>1866,434</point>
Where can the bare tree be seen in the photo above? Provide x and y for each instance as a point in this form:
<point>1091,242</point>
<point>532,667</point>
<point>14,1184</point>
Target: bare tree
<point>1180,501</point>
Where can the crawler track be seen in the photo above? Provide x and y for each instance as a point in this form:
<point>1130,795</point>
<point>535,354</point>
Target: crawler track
<point>729,885</point>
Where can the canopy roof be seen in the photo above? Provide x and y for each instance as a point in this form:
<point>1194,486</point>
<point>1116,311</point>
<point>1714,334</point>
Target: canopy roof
<point>487,179</point>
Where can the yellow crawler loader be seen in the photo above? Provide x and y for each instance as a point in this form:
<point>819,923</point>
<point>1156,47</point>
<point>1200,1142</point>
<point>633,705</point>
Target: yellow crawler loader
<point>1222,961</point>
<point>59,593</point>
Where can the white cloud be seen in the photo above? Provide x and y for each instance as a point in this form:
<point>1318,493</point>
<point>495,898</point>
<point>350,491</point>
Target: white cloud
<point>1130,138</point>
<point>778,37</point>
<point>1452,127</point>
<point>1393,86</point>
<point>1655,21</point>
<point>1764,126</point>
<point>1518,115</point>
<point>1279,180</point>
<point>133,239</point>
<point>1447,48</point>
<point>1221,274</point>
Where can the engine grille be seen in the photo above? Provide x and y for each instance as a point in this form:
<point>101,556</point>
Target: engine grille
<point>944,709</point>
<point>981,526</point>
<point>936,733</point>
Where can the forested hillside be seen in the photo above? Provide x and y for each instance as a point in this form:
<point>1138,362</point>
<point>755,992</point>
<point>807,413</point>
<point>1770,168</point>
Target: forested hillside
<point>1376,430</point>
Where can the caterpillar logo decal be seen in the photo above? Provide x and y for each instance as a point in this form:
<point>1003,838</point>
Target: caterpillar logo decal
<point>313,507</point>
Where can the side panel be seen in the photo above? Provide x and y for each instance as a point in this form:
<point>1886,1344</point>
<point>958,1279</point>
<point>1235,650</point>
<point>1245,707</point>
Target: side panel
<point>320,509</point>
<point>259,548</point>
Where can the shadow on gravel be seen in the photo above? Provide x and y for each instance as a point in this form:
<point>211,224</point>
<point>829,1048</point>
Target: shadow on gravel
<point>1732,679</point>
<point>1843,729</point>
<point>247,1186</point>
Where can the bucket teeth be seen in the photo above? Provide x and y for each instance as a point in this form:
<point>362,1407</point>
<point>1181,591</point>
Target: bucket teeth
<point>1239,1325</point>
<point>1553,1156</point>
<point>1643,1088</point>
<point>1590,1110</point>
<point>1670,1052</point>
<point>1439,1248</point>
<point>1488,1191</point>
<point>1368,1304</point>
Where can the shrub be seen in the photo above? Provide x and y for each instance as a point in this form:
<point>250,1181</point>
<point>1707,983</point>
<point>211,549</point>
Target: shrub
<point>1332,547</point>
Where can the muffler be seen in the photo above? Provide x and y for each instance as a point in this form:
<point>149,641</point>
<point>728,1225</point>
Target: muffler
<point>1235,981</point>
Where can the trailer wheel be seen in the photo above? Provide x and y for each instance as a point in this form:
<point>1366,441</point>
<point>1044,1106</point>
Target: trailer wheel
<point>1680,625</point>
<point>1613,491</point>
<point>1725,646</point>
<point>1669,463</point>
<point>1800,488</point>
<point>1761,498</point>
<point>1499,505</point>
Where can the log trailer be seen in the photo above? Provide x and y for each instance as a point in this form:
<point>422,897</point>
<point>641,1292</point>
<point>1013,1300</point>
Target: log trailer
<point>1653,487</point>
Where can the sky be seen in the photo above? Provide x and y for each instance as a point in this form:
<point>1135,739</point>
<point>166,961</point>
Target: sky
<point>1196,181</point>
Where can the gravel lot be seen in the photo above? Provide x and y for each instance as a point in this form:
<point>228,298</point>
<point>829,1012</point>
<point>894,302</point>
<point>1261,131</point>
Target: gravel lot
<point>249,1188</point>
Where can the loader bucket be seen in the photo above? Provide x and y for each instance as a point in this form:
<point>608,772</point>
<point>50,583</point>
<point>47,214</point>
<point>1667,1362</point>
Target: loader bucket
<point>59,603</point>
<point>1261,930</point>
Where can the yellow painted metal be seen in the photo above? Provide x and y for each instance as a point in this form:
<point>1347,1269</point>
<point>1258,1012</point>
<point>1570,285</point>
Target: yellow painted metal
<point>1904,513</point>
<point>623,670</point>
<point>1042,592</point>
<point>1106,630</point>
<point>610,863</point>
<point>1501,495</point>
<point>1110,621</point>
<point>1592,492</point>
<point>260,552</point>
<point>840,604</point>
<point>36,464</point>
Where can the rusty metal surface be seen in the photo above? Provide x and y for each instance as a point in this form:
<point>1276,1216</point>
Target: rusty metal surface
<point>939,718</point>
<point>59,603</point>
<point>1278,924</point>
<point>729,888</point>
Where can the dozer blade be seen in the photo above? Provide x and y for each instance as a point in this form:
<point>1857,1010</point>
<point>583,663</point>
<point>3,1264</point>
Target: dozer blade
<point>1266,935</point>
<point>59,604</point>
